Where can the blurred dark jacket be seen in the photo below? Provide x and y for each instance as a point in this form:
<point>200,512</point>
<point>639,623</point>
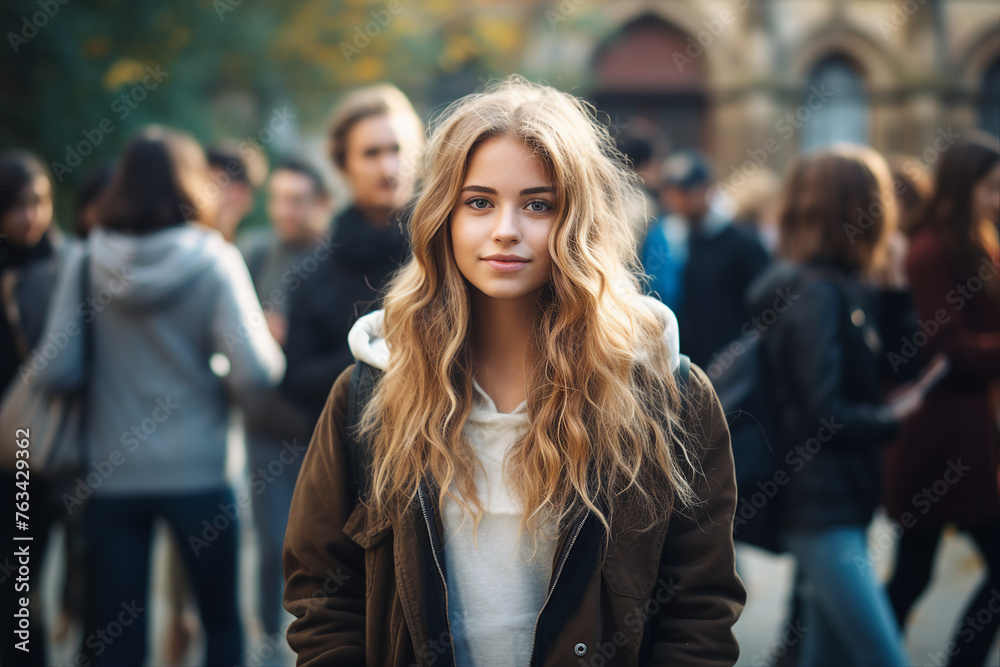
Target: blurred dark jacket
<point>329,300</point>
<point>953,439</point>
<point>27,281</point>
<point>824,357</point>
<point>721,264</point>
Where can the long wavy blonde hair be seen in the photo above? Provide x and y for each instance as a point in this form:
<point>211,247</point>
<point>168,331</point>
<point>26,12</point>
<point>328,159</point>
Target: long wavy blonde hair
<point>605,412</point>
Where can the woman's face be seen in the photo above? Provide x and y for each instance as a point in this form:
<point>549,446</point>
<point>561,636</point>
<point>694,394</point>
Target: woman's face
<point>25,222</point>
<point>501,222</point>
<point>986,196</point>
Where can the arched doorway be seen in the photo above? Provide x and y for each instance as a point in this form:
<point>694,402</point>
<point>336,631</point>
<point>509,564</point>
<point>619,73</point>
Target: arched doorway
<point>652,73</point>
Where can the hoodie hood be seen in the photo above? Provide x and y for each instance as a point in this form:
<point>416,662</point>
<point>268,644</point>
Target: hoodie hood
<point>368,345</point>
<point>149,270</point>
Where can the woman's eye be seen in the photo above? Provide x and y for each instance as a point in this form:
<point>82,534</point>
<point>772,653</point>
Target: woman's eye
<point>478,203</point>
<point>539,206</point>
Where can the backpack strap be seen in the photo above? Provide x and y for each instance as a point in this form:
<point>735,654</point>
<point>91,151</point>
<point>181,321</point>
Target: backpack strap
<point>683,373</point>
<point>364,377</point>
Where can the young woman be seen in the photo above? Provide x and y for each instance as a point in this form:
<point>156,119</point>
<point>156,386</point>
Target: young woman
<point>30,251</point>
<point>169,297</point>
<point>953,270</point>
<point>824,361</point>
<point>542,490</point>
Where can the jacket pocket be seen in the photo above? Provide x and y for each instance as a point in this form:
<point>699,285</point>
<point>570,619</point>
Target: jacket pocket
<point>633,563</point>
<point>363,527</point>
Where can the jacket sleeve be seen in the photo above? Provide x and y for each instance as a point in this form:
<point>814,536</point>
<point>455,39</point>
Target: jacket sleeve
<point>324,570</point>
<point>938,298</point>
<point>66,324</point>
<point>815,357</point>
<point>240,331</point>
<point>695,628</point>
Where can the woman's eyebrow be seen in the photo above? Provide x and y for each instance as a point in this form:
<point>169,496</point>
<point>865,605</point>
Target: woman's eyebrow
<point>479,188</point>
<point>492,191</point>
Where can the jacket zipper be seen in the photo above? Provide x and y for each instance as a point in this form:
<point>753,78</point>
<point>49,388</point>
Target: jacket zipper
<point>555,580</point>
<point>444,583</point>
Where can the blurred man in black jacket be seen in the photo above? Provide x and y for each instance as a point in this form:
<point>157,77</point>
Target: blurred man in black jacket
<point>374,139</point>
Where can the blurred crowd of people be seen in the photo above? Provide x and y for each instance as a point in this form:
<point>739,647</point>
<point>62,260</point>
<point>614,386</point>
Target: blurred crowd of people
<point>191,324</point>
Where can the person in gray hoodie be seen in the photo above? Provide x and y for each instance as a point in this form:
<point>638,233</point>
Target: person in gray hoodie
<point>173,333</point>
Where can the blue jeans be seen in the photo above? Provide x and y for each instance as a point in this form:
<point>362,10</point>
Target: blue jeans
<point>846,615</point>
<point>273,470</point>
<point>119,530</point>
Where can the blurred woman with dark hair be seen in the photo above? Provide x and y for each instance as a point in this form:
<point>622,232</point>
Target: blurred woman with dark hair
<point>823,359</point>
<point>29,262</point>
<point>176,330</point>
<point>953,271</point>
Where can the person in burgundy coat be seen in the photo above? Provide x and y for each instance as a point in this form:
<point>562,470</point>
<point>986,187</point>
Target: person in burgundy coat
<point>944,466</point>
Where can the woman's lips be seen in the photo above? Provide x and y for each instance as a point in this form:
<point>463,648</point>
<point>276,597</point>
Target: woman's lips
<point>505,265</point>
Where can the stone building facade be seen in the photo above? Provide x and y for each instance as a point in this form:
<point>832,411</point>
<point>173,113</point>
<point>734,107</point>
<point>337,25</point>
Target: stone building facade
<point>754,82</point>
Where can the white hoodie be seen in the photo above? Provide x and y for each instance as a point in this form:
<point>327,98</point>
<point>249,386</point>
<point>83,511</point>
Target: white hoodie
<point>496,584</point>
<point>367,344</point>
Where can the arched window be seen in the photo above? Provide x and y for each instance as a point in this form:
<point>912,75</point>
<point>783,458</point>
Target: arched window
<point>989,100</point>
<point>834,107</point>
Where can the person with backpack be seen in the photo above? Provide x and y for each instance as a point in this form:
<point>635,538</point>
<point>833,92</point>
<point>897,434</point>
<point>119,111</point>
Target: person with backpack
<point>952,445</point>
<point>172,332</point>
<point>526,471</point>
<point>823,359</point>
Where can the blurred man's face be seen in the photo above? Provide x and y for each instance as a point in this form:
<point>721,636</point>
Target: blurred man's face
<point>296,210</point>
<point>374,164</point>
<point>689,203</point>
<point>26,221</point>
